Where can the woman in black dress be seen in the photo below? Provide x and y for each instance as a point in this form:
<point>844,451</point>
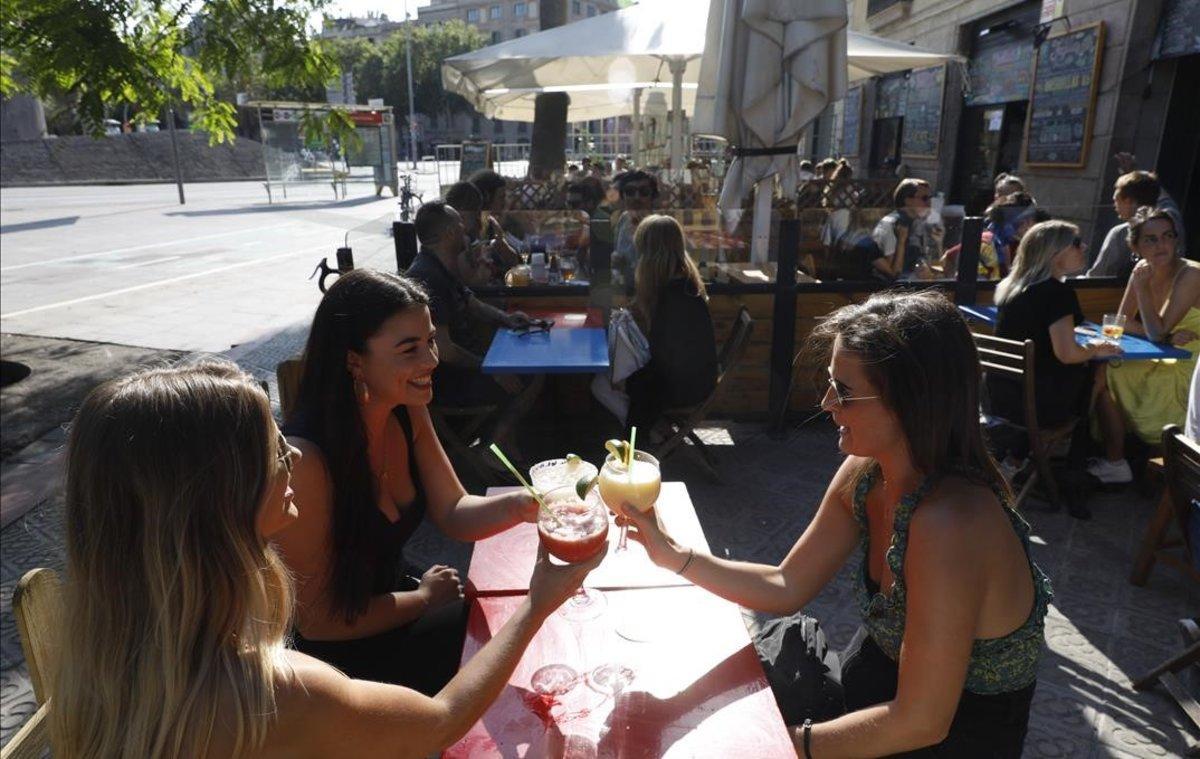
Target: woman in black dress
<point>1035,304</point>
<point>372,469</point>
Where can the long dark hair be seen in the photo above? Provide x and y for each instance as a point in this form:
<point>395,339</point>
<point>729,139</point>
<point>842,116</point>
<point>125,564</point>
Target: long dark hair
<point>352,311</point>
<point>918,351</point>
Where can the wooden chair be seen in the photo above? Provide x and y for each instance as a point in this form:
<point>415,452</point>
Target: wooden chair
<point>1181,470</point>
<point>681,423</point>
<point>1014,359</point>
<point>287,376</point>
<point>1166,673</point>
<point>37,606</point>
<point>32,741</point>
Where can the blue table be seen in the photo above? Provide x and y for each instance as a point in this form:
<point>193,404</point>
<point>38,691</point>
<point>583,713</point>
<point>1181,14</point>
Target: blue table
<point>582,350</point>
<point>1133,347</point>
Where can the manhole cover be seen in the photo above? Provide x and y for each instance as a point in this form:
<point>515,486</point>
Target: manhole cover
<point>12,372</point>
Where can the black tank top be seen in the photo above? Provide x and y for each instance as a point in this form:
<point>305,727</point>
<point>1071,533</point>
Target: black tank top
<point>389,539</point>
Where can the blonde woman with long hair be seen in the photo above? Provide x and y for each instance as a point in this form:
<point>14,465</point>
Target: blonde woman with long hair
<point>1036,304</point>
<point>177,606</point>
<point>670,304</point>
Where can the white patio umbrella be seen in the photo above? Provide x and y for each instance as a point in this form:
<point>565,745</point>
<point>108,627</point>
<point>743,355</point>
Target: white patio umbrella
<point>603,63</point>
<point>606,63</point>
<point>769,68</point>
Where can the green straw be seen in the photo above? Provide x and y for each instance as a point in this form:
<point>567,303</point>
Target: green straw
<point>629,453</point>
<point>536,495</point>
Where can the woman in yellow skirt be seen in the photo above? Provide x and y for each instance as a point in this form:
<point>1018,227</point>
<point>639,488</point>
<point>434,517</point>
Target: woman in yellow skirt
<point>1162,303</point>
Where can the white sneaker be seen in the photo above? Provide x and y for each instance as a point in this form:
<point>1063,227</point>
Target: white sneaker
<point>1110,472</point>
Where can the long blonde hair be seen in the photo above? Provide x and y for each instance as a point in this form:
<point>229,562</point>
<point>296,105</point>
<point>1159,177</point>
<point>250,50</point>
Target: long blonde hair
<point>174,604</point>
<point>662,256</point>
<point>1034,257</point>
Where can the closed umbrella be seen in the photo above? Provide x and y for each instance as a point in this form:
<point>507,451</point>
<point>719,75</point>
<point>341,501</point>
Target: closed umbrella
<point>769,68</point>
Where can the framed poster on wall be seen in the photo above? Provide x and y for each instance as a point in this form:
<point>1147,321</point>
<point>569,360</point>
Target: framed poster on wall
<point>1062,103</point>
<point>923,112</point>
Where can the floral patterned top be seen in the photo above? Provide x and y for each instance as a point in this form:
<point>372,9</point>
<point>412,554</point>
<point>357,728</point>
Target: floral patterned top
<point>998,665</point>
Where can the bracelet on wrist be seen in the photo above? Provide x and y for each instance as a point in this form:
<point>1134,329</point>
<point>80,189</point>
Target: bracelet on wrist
<point>808,739</point>
<point>691,555</point>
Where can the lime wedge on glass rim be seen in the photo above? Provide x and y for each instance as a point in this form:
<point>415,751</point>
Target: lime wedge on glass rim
<point>584,484</point>
<point>617,448</point>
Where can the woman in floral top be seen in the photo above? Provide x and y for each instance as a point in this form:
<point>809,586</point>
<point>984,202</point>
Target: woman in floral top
<point>946,659</point>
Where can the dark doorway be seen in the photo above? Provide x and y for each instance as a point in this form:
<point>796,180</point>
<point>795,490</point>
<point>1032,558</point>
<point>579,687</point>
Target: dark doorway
<point>1178,164</point>
<point>990,140</point>
<point>885,146</point>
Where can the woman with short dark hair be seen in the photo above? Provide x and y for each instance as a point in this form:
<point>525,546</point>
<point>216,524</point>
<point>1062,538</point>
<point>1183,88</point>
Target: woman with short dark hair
<point>952,604</point>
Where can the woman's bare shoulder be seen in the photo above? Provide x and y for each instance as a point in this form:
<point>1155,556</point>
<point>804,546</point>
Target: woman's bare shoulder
<point>958,505</point>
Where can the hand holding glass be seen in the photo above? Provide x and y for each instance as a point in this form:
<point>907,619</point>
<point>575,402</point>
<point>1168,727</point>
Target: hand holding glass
<point>637,485</point>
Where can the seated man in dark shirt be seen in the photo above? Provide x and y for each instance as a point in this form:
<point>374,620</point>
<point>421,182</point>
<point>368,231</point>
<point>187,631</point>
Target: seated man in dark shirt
<point>461,319</point>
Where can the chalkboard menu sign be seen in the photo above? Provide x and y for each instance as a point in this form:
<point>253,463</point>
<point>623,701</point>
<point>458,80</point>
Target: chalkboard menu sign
<point>1063,102</point>
<point>476,155</point>
<point>1001,74</point>
<point>1179,29</point>
<point>890,92</point>
<point>923,112</point>
<point>851,121</point>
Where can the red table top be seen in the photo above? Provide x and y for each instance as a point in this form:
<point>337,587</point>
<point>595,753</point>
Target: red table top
<point>592,317</point>
<point>502,563</point>
<point>698,688</point>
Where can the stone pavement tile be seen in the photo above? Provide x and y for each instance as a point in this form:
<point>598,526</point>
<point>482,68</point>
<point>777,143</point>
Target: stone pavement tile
<point>1045,740</point>
<point>1073,655</point>
<point>1132,622</point>
<point>1133,657</point>
<point>1084,612</point>
<point>24,486</point>
<point>1141,737</point>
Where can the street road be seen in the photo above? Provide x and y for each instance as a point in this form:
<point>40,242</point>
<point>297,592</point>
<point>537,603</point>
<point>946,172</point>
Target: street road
<point>129,265</point>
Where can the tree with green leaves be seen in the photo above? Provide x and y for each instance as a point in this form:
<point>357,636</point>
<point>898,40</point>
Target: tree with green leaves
<point>156,54</point>
<point>380,68</point>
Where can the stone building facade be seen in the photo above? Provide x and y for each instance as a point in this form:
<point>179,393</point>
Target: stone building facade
<point>1146,101</point>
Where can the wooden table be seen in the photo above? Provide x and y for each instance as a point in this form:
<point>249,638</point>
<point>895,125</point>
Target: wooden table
<point>501,564</point>
<point>698,688</point>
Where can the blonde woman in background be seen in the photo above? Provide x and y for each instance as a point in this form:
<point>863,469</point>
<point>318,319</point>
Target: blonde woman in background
<point>177,606</point>
<point>670,304</point>
<point>1034,303</point>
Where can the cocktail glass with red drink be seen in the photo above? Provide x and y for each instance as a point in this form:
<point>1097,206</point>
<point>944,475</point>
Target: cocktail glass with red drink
<point>574,529</point>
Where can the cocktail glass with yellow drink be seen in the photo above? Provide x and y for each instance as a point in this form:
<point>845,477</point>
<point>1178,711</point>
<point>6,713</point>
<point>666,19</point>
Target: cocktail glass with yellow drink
<point>1113,328</point>
<point>629,481</point>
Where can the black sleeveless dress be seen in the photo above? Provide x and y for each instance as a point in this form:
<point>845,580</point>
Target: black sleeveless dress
<point>423,654</point>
